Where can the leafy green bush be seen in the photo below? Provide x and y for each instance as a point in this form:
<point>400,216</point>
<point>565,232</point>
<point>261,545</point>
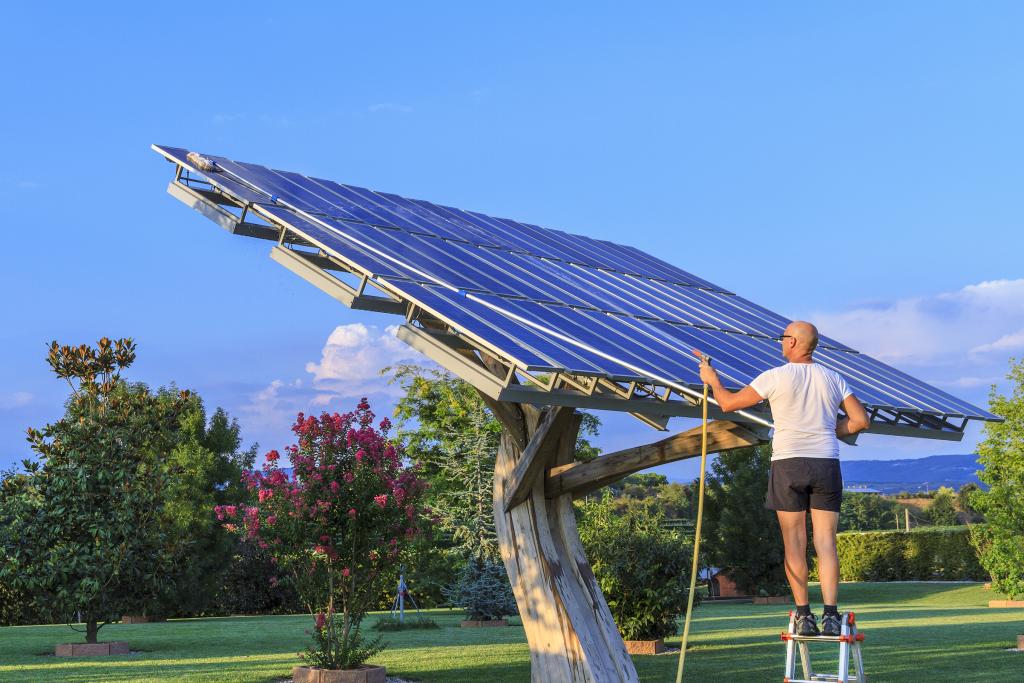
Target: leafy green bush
<point>942,511</point>
<point>250,585</point>
<point>642,568</point>
<point>1002,556</point>
<point>930,553</point>
<point>1002,454</point>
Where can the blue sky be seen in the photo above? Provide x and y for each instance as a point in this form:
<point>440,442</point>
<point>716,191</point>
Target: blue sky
<point>857,165</point>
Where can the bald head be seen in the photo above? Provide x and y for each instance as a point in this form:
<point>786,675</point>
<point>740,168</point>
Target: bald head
<point>799,340</point>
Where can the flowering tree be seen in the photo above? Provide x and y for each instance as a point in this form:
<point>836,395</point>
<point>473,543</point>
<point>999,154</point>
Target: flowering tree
<point>337,525</point>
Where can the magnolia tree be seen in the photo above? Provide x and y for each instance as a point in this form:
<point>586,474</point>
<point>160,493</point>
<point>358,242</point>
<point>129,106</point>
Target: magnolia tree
<point>85,529</point>
<point>336,526</point>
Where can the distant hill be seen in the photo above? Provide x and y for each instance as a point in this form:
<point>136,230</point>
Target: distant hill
<point>912,474</point>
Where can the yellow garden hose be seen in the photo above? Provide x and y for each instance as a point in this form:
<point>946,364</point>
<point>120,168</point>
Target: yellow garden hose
<point>696,533</point>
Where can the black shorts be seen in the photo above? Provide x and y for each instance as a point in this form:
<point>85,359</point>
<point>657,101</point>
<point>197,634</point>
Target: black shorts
<point>799,484</point>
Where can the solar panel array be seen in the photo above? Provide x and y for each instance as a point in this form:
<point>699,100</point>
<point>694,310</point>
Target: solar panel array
<point>549,300</point>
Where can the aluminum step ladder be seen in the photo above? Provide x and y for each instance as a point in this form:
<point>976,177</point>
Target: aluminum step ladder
<point>849,653</point>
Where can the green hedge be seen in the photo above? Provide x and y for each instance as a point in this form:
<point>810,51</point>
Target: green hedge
<point>925,554</point>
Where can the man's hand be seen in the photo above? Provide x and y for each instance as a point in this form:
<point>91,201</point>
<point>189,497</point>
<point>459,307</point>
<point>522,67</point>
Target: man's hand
<point>727,400</point>
<point>708,374</point>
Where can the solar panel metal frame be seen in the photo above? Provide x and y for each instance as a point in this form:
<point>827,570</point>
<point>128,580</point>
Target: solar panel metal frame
<point>309,246</point>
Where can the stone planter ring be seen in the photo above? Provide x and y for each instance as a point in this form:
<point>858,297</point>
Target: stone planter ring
<point>367,673</point>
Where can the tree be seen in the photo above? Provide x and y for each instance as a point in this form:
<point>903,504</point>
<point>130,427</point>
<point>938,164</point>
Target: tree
<point>743,537</point>
<point>1000,542</point>
<point>867,512</point>
<point>15,605</point>
<point>337,526</point>
<point>87,531</point>
<point>206,468</point>
<point>454,438</point>
<point>942,511</point>
<point>643,569</point>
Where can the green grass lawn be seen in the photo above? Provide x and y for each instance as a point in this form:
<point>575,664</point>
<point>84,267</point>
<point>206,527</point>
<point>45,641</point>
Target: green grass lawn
<point>914,632</point>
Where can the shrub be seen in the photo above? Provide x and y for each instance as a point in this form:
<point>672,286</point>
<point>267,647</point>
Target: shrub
<point>942,511</point>
<point>642,568</point>
<point>482,589</point>
<point>249,585</point>
<point>930,553</point>
<point>410,623</point>
<point>1002,556</point>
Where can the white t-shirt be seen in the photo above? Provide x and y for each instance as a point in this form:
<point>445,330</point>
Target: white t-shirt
<point>805,400</point>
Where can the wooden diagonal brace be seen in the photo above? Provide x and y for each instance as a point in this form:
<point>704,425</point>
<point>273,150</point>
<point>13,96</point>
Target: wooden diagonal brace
<point>537,456</point>
<point>583,477</point>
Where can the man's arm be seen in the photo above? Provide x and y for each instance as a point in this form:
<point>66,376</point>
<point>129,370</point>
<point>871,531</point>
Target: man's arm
<point>727,400</point>
<point>856,419</point>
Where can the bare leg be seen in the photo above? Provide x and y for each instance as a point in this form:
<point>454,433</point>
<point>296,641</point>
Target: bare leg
<point>794,537</point>
<point>824,524</point>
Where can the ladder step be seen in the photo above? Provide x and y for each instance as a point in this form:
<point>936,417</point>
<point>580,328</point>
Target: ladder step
<point>822,639</point>
<point>798,652</point>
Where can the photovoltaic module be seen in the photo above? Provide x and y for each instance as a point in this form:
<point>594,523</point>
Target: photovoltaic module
<point>589,322</point>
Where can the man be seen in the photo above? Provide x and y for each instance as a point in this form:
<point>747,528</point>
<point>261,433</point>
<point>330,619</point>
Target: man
<point>805,398</point>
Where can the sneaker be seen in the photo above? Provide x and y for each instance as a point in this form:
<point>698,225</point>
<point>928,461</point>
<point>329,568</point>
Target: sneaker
<point>831,624</point>
<point>807,625</point>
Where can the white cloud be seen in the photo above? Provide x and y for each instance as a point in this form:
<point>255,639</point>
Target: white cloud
<point>968,382</point>
<point>390,107</point>
<point>348,369</point>
<point>14,400</point>
<point>948,328</point>
<point>351,361</point>
<point>1008,342</point>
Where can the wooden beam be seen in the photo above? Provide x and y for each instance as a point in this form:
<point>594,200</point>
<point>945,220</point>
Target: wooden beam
<point>537,456</point>
<point>580,478</point>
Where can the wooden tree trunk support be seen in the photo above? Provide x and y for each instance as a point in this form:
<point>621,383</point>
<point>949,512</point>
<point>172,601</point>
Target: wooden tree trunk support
<point>570,629</point>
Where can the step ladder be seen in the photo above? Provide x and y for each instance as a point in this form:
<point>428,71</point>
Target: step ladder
<point>849,648</point>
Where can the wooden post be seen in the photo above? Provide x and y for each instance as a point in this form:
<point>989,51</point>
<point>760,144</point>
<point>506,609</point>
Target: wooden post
<point>572,635</point>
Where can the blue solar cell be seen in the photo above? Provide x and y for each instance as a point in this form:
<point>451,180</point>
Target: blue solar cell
<point>331,241</point>
<point>521,342</point>
<point>668,271</point>
<point>444,226</point>
<point>429,254</point>
<point>589,328</point>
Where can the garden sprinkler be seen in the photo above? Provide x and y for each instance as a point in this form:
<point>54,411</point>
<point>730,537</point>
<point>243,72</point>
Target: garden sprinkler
<point>705,360</point>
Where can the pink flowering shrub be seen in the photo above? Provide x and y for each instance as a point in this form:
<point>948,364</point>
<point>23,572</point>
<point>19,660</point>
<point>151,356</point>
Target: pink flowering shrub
<point>337,525</point>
